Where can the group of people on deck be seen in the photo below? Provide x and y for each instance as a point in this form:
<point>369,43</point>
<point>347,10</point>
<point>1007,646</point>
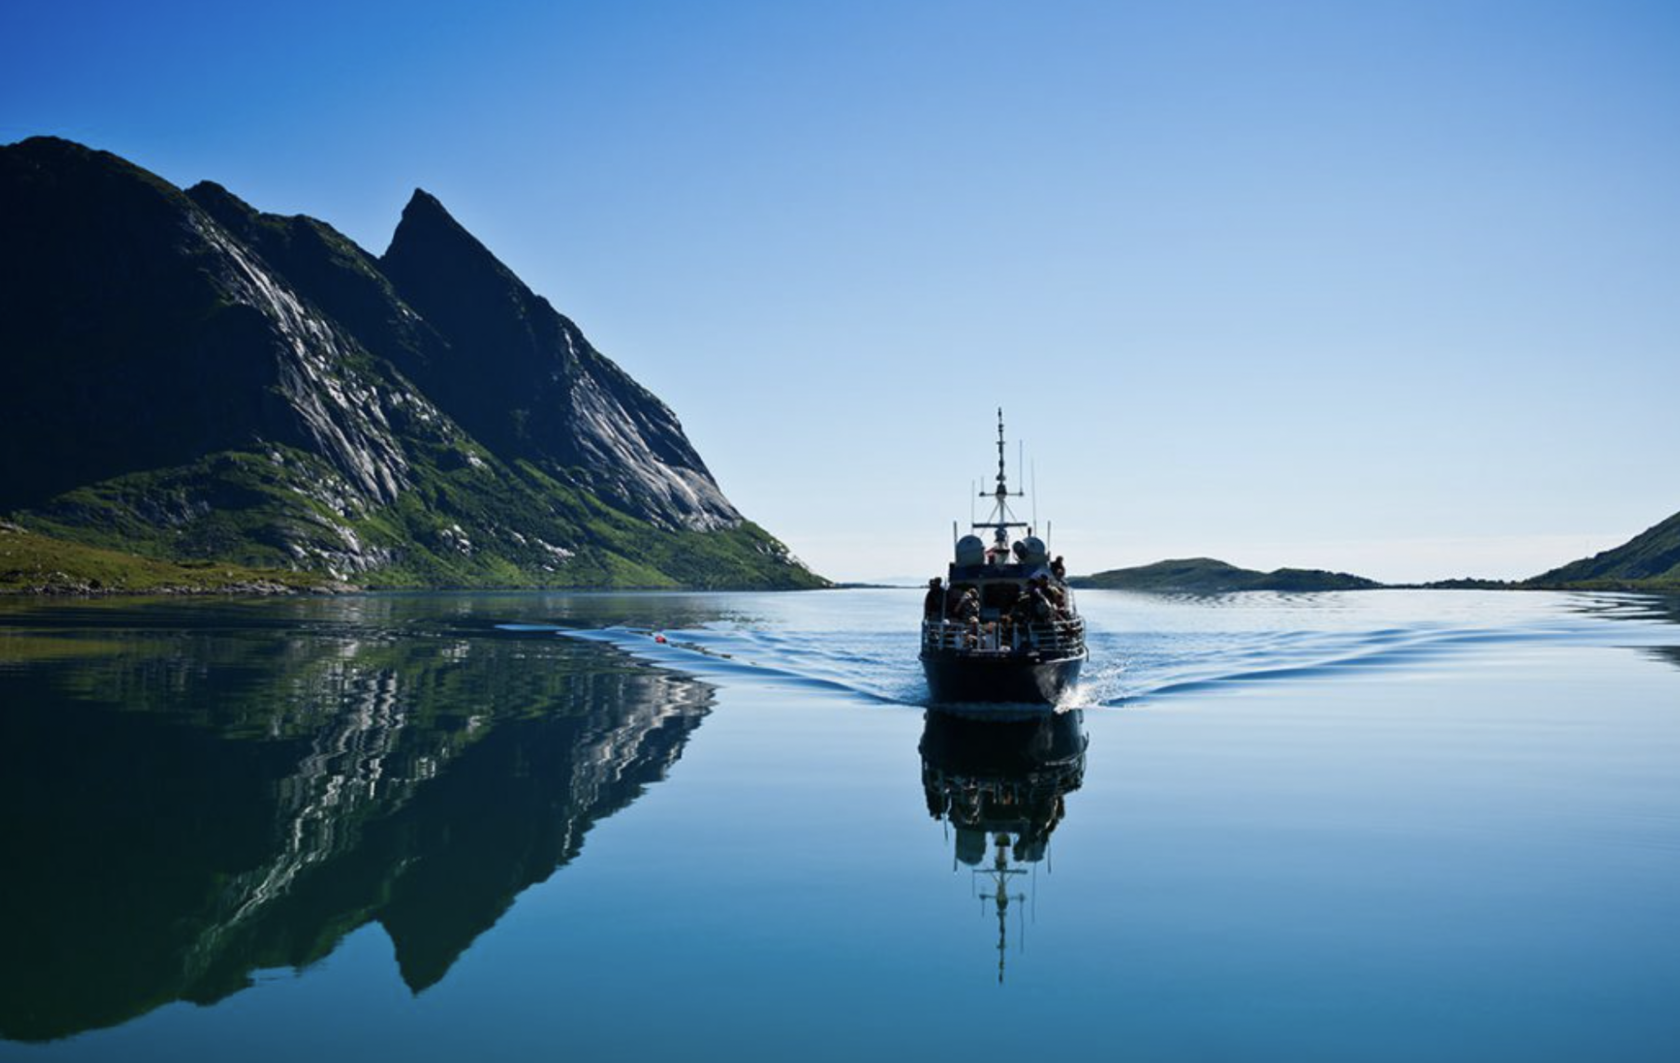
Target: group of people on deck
<point>1041,599</point>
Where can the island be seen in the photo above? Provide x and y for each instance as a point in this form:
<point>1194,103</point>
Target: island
<point>1205,575</point>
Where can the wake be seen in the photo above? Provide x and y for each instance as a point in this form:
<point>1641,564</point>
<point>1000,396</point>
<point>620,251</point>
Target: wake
<point>1126,667</point>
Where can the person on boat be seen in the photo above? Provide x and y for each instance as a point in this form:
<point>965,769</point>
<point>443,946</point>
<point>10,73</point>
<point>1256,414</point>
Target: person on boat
<point>1056,596</point>
<point>1058,570</point>
<point>968,605</point>
<point>1032,609</point>
<point>968,614</point>
<point>1012,625</point>
<point>1040,608</point>
<point>933,606</point>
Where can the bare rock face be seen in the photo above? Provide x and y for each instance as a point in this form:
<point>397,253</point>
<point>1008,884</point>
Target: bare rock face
<point>138,333</point>
<point>333,409</point>
<point>186,376</point>
<point>522,377</point>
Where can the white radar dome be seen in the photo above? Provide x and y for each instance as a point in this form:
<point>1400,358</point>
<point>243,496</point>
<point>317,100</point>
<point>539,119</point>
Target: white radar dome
<point>1033,551</point>
<point>971,550</point>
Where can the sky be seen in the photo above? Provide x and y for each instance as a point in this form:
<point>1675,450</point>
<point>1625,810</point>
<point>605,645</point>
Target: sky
<point>1390,288</point>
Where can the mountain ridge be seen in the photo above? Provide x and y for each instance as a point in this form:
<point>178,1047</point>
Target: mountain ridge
<point>192,379</point>
<point>582,400</point>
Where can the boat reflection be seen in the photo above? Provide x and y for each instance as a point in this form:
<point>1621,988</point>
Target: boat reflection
<point>1001,785</point>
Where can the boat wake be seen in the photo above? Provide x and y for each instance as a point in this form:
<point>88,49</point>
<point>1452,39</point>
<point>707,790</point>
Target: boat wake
<point>1175,647</point>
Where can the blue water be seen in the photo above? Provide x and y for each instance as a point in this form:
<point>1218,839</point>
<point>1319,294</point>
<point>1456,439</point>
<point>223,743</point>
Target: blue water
<point>1361,826</point>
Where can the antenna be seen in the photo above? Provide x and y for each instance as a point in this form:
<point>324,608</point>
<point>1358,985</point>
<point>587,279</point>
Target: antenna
<point>1035,492</point>
<point>1001,519</point>
<point>1002,489</point>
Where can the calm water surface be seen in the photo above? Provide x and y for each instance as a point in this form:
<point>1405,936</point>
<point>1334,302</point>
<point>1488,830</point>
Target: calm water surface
<point>1365,826</point>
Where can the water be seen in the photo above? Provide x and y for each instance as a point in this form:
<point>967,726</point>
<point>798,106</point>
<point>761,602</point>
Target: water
<point>1374,826</point>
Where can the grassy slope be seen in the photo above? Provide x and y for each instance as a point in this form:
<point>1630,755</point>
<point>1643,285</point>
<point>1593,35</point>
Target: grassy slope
<point>1648,562</point>
<point>477,523</point>
<point>31,563</point>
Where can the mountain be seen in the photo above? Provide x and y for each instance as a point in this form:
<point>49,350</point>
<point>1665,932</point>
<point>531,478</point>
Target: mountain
<point>1204,575</point>
<point>1651,560</point>
<point>189,379</point>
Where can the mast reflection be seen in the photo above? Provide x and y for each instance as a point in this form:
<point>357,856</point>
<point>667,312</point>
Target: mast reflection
<point>1001,784</point>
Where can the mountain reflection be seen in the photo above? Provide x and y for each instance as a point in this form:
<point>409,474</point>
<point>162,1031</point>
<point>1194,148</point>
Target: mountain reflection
<point>1640,608</point>
<point>1001,784</point>
<point>180,812</point>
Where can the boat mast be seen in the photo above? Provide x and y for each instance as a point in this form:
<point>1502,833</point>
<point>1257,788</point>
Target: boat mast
<point>1000,873</point>
<point>1002,519</point>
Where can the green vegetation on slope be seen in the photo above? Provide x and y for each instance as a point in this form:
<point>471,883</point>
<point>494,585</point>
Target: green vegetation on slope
<point>1649,561</point>
<point>468,520</point>
<point>38,564</point>
<point>1204,575</point>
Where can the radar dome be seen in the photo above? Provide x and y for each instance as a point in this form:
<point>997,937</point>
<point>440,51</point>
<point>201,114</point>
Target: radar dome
<point>1033,551</point>
<point>971,550</point>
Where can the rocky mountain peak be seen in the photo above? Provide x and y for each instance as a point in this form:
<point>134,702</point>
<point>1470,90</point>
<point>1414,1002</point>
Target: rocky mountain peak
<point>428,238</point>
<point>219,203</point>
<point>424,208</point>
<point>521,377</point>
<point>191,377</point>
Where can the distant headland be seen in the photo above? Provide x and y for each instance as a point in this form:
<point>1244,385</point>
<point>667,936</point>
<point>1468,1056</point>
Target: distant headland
<point>1204,575</point>
<point>1650,562</point>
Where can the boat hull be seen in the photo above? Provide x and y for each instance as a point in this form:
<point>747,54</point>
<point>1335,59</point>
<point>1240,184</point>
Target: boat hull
<point>960,678</point>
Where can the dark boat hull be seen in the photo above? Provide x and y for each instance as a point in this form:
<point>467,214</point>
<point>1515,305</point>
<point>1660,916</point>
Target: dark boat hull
<point>959,678</point>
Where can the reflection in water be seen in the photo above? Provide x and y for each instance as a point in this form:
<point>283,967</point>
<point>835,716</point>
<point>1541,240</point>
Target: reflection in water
<point>194,792</point>
<point>1002,783</point>
<point>188,810</point>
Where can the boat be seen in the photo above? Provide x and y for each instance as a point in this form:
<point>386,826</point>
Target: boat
<point>1002,627</point>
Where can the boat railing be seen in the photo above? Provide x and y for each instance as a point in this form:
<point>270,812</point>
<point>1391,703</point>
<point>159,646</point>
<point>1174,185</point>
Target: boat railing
<point>1004,637</point>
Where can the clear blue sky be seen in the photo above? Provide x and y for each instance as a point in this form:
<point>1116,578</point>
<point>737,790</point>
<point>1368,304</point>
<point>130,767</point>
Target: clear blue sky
<point>1390,287</point>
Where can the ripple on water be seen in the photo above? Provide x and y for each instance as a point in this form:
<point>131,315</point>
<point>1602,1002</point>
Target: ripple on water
<point>1153,648</point>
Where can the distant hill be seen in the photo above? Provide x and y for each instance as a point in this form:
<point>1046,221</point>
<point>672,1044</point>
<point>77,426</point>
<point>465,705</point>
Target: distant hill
<point>1204,575</point>
<point>186,379</point>
<point>1649,561</point>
